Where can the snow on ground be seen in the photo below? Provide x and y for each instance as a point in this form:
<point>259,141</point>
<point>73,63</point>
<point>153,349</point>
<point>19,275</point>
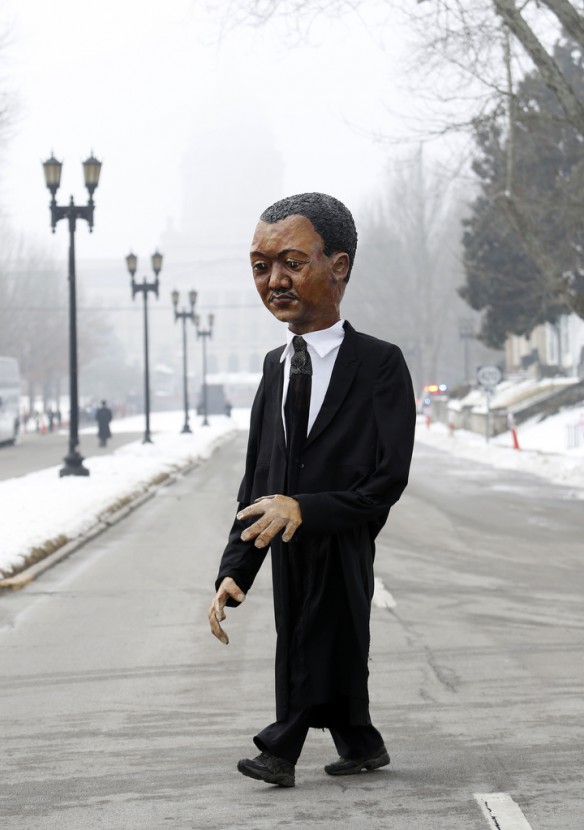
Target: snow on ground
<point>511,394</point>
<point>560,434</point>
<point>552,448</point>
<point>41,507</point>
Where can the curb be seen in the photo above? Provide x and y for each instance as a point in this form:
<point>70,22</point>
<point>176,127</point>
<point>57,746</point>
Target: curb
<point>25,577</point>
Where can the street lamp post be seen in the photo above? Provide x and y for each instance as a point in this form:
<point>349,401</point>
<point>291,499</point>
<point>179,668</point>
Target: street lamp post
<point>72,212</point>
<point>204,333</point>
<point>184,316</point>
<point>466,332</point>
<point>144,287</point>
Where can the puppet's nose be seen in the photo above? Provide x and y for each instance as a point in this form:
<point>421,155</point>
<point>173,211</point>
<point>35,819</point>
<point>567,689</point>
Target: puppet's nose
<point>278,277</point>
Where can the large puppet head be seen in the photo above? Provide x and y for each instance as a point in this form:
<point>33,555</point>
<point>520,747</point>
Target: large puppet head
<point>329,217</point>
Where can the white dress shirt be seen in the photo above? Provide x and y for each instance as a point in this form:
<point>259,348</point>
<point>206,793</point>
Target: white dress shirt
<point>323,348</point>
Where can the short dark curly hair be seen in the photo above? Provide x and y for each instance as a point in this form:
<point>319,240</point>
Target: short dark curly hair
<point>329,217</point>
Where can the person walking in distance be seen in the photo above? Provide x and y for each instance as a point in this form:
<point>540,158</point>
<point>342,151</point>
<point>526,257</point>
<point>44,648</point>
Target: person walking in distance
<point>103,416</point>
<point>330,444</point>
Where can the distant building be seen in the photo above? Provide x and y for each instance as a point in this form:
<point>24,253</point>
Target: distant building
<point>228,181</point>
<point>550,348</point>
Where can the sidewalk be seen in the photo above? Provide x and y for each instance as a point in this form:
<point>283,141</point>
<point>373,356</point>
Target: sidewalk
<point>43,514</point>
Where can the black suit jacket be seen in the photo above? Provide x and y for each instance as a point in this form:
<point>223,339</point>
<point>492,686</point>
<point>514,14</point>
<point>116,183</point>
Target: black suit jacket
<point>354,466</point>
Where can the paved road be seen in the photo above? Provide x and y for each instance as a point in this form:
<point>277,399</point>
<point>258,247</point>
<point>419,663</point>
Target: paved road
<point>37,452</point>
<point>118,709</point>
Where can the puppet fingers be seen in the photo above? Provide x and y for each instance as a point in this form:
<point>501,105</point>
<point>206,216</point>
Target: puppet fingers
<point>216,614</point>
<point>255,509</point>
<point>290,530</point>
<point>254,530</point>
<point>268,533</point>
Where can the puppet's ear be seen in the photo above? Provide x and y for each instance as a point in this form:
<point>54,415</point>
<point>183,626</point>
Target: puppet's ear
<point>339,265</point>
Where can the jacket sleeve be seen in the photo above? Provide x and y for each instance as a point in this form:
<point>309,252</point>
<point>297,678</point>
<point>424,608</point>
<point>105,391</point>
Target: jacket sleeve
<point>394,410</point>
<point>242,560</point>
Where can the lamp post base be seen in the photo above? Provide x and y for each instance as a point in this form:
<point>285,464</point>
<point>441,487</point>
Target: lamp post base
<point>147,439</point>
<point>73,466</point>
<point>186,428</point>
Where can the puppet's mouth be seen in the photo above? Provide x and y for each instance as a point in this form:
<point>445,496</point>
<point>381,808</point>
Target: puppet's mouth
<point>282,298</point>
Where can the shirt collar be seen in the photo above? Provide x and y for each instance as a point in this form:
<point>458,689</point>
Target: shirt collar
<point>323,341</point>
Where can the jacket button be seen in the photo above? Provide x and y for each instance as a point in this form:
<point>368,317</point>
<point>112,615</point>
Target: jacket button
<point>301,465</point>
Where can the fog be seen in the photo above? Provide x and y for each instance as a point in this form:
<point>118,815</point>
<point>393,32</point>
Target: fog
<point>149,86</point>
<point>200,124</point>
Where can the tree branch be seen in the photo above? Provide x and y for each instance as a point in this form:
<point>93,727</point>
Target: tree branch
<point>550,73</point>
<point>571,20</point>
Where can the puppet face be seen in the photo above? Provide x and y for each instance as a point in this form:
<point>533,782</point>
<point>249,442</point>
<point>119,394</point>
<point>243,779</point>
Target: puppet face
<point>297,282</point>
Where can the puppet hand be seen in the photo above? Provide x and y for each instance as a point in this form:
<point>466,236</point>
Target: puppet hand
<point>228,588</point>
<point>276,513</point>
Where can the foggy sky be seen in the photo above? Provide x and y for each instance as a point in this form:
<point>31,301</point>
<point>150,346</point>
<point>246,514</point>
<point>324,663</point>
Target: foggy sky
<point>146,85</point>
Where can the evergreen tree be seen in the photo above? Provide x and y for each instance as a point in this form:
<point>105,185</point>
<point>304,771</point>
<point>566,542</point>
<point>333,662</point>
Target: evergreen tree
<point>524,241</point>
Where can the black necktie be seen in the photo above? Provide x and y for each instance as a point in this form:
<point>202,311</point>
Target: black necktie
<point>297,407</point>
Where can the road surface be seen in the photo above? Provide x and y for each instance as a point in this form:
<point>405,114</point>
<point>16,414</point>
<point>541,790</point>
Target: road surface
<point>118,709</point>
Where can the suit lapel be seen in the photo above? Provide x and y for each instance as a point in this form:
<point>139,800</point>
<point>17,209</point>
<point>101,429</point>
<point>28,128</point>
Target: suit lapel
<point>344,372</point>
<point>276,381</point>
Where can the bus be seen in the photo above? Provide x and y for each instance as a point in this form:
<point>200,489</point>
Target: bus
<point>9,400</point>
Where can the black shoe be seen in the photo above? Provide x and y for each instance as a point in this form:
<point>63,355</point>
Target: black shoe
<point>352,766</point>
<point>268,768</point>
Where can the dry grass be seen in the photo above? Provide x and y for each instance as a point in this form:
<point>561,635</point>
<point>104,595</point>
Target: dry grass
<point>36,554</point>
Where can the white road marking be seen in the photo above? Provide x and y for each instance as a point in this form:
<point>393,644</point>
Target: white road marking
<point>502,812</point>
<point>381,596</point>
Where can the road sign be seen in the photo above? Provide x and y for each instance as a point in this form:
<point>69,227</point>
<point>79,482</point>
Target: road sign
<point>489,376</point>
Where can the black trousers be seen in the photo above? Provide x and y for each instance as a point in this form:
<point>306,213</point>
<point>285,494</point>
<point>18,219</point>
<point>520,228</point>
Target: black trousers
<point>285,739</point>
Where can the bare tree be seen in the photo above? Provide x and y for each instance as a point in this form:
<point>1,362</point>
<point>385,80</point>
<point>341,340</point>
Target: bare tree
<point>8,98</point>
<point>33,322</point>
<point>550,72</point>
<point>408,269</point>
<point>34,319</point>
<point>466,43</point>
<point>461,39</point>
